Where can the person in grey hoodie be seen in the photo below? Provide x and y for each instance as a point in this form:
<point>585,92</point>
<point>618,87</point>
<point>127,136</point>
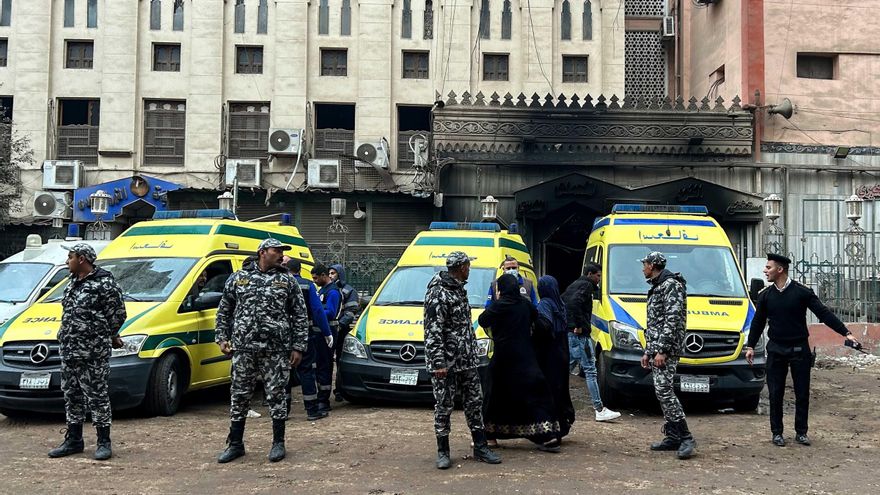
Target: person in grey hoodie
<point>348,315</point>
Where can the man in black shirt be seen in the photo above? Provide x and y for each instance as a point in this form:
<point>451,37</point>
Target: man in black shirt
<point>784,303</point>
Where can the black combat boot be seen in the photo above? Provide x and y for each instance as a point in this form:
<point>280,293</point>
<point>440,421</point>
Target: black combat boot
<point>481,448</point>
<point>671,441</point>
<point>234,443</point>
<point>73,442</point>
<point>688,444</point>
<point>103,452</point>
<point>277,452</point>
<point>443,461</point>
<point>313,413</point>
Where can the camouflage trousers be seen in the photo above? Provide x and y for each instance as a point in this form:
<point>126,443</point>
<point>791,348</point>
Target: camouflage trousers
<point>664,387</point>
<point>468,382</point>
<point>86,384</point>
<point>273,368</point>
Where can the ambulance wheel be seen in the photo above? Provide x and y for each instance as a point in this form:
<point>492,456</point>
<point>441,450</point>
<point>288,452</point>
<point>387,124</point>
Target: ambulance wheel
<point>166,386</point>
<point>747,404</point>
<point>610,397</point>
<point>14,413</point>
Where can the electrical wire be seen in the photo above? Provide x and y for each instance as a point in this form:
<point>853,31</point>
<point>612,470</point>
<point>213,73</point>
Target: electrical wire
<point>784,51</point>
<point>535,42</point>
<point>823,144</point>
<point>448,48</point>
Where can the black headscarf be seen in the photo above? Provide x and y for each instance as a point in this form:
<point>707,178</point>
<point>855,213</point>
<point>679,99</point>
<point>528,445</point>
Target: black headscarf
<point>551,306</point>
<point>508,286</point>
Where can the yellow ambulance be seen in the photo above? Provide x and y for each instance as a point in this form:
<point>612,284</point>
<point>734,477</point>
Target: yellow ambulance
<point>384,356</point>
<point>171,270</point>
<point>713,365</point>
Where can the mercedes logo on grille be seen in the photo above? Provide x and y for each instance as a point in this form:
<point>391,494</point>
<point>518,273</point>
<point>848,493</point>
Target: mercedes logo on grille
<point>694,343</point>
<point>408,352</point>
<point>39,353</point>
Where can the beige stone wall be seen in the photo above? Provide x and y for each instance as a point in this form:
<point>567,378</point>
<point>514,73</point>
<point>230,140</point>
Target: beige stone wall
<point>843,111</point>
<point>712,38</point>
<point>123,79</point>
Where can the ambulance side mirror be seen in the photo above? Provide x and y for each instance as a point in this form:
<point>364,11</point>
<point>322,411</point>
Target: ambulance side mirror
<point>755,286</point>
<point>207,300</point>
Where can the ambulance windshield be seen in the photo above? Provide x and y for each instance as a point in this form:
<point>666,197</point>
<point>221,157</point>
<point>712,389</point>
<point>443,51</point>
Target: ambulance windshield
<point>407,286</point>
<point>20,279</point>
<point>708,270</point>
<point>142,279</point>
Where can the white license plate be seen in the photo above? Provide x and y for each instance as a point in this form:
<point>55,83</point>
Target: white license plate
<point>694,383</point>
<point>403,376</point>
<point>35,380</point>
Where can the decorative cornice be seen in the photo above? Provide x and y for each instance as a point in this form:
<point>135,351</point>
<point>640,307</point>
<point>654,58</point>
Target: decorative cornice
<point>772,147</point>
<point>563,126</point>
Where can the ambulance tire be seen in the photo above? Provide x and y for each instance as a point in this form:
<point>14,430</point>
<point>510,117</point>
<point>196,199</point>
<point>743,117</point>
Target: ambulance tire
<point>15,413</point>
<point>610,397</point>
<point>747,404</point>
<point>166,386</point>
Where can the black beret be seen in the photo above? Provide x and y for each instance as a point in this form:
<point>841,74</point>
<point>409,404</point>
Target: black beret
<point>782,260</point>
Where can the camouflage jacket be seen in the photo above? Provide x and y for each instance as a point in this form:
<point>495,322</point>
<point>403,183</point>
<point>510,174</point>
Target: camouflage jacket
<point>262,311</point>
<point>667,314</point>
<point>93,312</point>
<point>450,341</point>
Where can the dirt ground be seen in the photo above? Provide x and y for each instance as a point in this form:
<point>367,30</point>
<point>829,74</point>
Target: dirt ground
<point>384,450</point>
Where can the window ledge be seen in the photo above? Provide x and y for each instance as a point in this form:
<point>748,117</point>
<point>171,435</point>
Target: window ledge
<point>117,153</point>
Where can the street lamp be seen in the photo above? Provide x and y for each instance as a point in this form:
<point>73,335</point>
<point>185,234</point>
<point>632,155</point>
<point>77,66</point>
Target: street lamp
<point>490,208</point>
<point>99,204</point>
<point>854,209</point>
<point>774,233</point>
<point>225,200</point>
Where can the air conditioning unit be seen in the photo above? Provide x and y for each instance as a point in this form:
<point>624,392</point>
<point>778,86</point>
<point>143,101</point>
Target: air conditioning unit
<point>323,173</point>
<point>285,141</point>
<point>247,171</point>
<point>62,174</point>
<point>52,204</point>
<point>668,27</point>
<point>372,153</point>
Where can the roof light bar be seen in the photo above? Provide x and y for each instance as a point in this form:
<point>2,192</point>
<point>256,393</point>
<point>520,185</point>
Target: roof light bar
<point>680,209</point>
<point>485,227</point>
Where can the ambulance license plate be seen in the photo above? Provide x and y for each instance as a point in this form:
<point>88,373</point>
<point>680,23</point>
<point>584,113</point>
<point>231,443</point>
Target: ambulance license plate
<point>694,383</point>
<point>35,380</point>
<point>403,376</point>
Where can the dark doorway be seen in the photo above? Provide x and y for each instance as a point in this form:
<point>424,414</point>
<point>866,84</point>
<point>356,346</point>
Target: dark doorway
<point>564,247</point>
<point>334,116</point>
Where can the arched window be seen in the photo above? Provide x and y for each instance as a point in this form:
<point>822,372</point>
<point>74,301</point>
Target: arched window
<point>323,17</point>
<point>565,24</point>
<point>345,18</point>
<point>588,20</point>
<point>484,19</point>
<point>506,21</point>
<point>429,20</point>
<point>239,16</point>
<point>406,20</point>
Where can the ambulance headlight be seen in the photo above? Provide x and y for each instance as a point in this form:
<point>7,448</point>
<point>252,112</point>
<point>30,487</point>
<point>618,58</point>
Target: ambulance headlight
<point>483,347</point>
<point>354,347</point>
<point>131,344</point>
<point>625,337</point>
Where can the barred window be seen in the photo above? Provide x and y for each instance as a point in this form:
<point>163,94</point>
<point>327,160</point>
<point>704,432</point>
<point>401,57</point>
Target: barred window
<point>495,67</point>
<point>334,62</point>
<point>574,68</point>
<point>80,54</point>
<point>164,132</point>
<point>415,65</point>
<point>248,130</point>
<point>249,60</point>
<point>4,48</point>
<point>166,57</point>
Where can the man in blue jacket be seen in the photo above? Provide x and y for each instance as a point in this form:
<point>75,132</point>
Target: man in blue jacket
<point>331,301</point>
<point>319,337</point>
<point>526,289</point>
<point>350,308</point>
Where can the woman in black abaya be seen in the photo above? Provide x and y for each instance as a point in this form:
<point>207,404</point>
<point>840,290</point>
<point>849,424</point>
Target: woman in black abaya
<point>550,340</point>
<point>521,403</point>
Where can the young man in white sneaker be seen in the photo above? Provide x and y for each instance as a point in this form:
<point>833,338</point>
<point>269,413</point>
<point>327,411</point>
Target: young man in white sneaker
<point>578,299</point>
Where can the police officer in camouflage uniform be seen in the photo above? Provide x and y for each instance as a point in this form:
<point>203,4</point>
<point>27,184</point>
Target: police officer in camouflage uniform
<point>94,312</point>
<point>667,320</point>
<point>451,357</point>
<point>262,321</point>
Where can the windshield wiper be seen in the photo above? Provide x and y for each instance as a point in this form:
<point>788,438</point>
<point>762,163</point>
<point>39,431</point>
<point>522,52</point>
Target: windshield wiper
<point>400,303</point>
<point>131,297</point>
<point>8,301</point>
